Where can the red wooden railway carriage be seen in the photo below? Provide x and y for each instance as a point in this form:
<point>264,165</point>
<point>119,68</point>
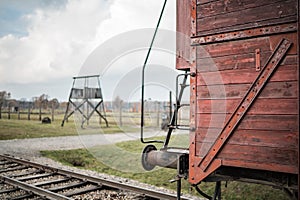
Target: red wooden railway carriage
<point>243,60</point>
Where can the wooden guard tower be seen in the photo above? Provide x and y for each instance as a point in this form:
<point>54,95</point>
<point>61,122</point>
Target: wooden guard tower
<point>86,96</point>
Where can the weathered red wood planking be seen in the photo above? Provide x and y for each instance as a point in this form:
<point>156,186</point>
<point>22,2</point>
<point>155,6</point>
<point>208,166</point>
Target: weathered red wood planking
<point>283,73</point>
<point>248,46</point>
<point>267,138</point>
<point>233,48</point>
<point>278,10</point>
<point>270,122</point>
<point>229,33</point>
<point>237,62</point>
<point>241,54</point>
<point>205,1</point>
<point>249,26</point>
<point>222,7</point>
<point>183,35</point>
<point>265,106</point>
<point>231,62</point>
<point>260,154</point>
<point>254,122</point>
<point>275,39</point>
<point>287,89</point>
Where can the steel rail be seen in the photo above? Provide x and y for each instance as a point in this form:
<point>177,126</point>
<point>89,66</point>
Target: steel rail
<point>97,180</point>
<point>31,188</point>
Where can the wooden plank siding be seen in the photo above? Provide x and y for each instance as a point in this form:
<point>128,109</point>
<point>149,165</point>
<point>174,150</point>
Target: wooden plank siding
<point>286,89</point>
<point>223,15</point>
<point>276,106</point>
<point>183,35</point>
<point>267,136</point>
<point>253,122</point>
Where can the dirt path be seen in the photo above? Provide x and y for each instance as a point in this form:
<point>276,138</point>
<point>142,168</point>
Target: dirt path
<point>29,148</point>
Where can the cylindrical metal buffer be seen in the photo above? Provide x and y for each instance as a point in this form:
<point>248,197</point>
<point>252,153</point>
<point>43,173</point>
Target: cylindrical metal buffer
<point>151,157</point>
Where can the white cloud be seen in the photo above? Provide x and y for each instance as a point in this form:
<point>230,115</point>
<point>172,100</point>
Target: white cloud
<point>127,15</point>
<point>60,38</point>
<point>56,43</point>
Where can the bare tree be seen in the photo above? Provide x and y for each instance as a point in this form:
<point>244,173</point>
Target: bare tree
<point>53,104</point>
<point>3,98</point>
<point>11,103</point>
<point>41,102</point>
<point>118,103</point>
<point>31,106</point>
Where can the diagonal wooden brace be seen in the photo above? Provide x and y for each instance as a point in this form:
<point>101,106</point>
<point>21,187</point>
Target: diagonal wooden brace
<point>265,74</point>
<point>94,109</point>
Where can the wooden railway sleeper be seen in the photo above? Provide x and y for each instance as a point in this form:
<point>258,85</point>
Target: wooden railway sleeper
<point>39,184</point>
<point>34,189</point>
<point>25,178</point>
<point>13,169</point>
<point>64,187</point>
<point>9,190</point>
<point>83,190</point>
<point>25,196</point>
<point>25,174</point>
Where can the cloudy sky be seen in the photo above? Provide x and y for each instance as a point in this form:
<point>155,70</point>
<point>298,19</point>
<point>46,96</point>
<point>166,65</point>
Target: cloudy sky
<point>44,43</point>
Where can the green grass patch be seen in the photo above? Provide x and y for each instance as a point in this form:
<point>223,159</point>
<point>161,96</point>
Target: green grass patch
<point>123,159</point>
<point>21,129</point>
<point>15,128</point>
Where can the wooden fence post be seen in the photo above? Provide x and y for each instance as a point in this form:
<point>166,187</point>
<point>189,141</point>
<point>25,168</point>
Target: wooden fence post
<point>19,117</point>
<point>9,108</point>
<point>28,116</point>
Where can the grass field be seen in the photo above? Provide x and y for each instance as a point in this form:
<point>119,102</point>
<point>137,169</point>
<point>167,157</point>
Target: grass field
<point>125,156</point>
<point>123,159</point>
<point>20,129</point>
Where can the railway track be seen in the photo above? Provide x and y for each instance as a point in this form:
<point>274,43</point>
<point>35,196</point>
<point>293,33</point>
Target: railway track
<point>22,179</point>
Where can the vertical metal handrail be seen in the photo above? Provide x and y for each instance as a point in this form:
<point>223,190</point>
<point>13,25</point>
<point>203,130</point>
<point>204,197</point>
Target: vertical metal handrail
<point>143,80</point>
